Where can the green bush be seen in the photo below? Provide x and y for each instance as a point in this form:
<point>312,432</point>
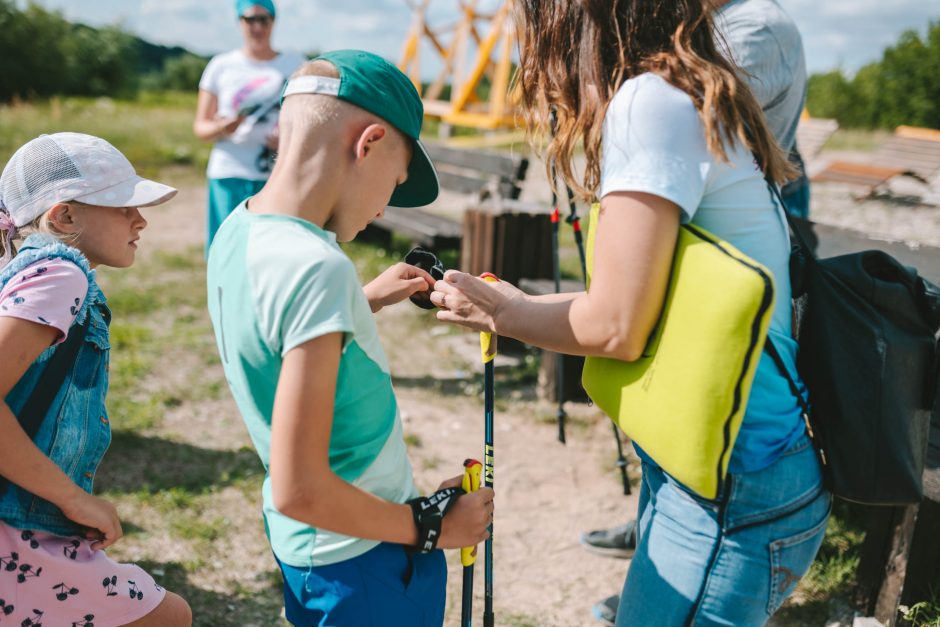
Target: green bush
<point>44,55</point>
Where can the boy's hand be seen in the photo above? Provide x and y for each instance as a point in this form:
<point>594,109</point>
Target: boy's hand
<point>466,524</point>
<point>98,515</point>
<point>396,284</point>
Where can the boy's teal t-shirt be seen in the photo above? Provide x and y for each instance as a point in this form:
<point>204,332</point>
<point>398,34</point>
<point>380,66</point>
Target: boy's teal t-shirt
<point>274,283</point>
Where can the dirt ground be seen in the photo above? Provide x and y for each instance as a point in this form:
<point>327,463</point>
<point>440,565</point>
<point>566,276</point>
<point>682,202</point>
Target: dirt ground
<point>547,493</point>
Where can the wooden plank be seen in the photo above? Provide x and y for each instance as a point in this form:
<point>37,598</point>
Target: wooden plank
<point>813,133</point>
<point>422,227</point>
<point>889,597</point>
<point>923,571</point>
<point>459,182</point>
<point>915,132</point>
<point>485,161</point>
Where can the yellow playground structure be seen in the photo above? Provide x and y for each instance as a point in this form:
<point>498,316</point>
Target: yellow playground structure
<point>476,56</point>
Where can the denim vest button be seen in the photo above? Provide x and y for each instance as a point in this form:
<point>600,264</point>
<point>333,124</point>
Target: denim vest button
<point>103,420</point>
<point>89,474</point>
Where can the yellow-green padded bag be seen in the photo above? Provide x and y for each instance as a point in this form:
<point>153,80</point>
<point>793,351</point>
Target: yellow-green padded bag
<point>683,401</point>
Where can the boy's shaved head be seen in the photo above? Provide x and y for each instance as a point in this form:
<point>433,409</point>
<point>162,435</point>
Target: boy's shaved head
<point>304,115</point>
<point>311,111</point>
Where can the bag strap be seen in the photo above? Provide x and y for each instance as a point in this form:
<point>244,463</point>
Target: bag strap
<point>40,400</point>
<point>51,379</point>
<point>818,444</point>
<point>769,345</point>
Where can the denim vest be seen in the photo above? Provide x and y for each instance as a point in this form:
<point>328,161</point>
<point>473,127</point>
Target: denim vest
<point>75,432</point>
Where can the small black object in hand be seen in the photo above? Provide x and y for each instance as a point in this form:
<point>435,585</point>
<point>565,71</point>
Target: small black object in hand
<point>427,261</point>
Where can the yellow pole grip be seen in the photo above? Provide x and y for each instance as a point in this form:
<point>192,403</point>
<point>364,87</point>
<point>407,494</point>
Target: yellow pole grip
<point>488,340</point>
<point>472,471</point>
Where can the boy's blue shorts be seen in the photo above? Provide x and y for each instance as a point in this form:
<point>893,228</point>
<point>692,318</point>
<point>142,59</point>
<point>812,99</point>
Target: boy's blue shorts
<point>385,586</point>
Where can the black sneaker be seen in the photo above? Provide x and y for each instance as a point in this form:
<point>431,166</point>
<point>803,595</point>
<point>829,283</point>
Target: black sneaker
<point>606,610</point>
<point>617,542</point>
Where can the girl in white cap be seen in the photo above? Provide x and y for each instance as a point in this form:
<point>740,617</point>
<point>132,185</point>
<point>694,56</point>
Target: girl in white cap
<point>73,201</point>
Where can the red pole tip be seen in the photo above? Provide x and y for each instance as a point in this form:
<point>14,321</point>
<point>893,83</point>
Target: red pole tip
<point>489,275</point>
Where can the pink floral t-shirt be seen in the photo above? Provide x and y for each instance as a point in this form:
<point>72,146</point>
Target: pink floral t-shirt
<point>49,292</point>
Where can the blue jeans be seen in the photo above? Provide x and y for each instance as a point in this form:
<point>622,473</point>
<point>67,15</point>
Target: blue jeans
<point>731,561</point>
<point>385,586</point>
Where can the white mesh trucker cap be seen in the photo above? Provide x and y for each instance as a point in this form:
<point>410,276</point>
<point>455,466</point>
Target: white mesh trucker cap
<point>73,166</point>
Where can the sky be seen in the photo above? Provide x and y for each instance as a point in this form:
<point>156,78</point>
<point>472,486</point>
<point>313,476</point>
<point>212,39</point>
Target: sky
<point>843,34</point>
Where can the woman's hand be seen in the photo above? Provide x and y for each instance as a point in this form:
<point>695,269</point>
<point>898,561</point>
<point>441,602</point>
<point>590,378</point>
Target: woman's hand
<point>227,126</point>
<point>472,302</point>
<point>273,136</point>
<point>396,284</point>
<point>98,515</point>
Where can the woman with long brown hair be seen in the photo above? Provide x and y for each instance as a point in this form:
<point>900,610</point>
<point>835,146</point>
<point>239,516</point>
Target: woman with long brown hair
<point>671,135</point>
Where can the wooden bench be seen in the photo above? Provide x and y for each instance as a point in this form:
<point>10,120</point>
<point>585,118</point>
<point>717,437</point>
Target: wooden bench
<point>485,174</point>
<point>812,134</point>
<point>910,151</point>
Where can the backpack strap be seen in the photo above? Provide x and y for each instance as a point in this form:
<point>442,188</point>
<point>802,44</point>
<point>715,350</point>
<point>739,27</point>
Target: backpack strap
<point>51,379</point>
<point>818,444</point>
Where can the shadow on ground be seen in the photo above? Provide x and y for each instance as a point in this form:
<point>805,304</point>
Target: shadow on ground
<point>144,463</point>
<point>235,607</point>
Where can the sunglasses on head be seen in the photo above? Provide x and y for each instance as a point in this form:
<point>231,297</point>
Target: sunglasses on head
<point>264,20</point>
<point>426,260</point>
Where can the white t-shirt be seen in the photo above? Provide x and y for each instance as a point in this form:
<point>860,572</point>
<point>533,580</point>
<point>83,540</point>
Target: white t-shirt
<point>654,142</point>
<point>252,88</point>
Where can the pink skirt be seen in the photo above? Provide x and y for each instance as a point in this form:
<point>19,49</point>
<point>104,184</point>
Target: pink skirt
<point>52,580</point>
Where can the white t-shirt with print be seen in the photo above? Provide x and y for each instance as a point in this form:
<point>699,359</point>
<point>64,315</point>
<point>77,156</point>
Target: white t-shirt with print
<point>251,88</point>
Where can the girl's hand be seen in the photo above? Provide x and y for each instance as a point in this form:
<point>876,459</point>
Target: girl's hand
<point>472,302</point>
<point>466,524</point>
<point>396,284</point>
<point>98,515</point>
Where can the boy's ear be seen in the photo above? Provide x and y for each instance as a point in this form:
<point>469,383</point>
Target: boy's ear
<point>62,217</point>
<point>368,138</point>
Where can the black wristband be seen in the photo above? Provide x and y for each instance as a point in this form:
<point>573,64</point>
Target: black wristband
<point>428,513</point>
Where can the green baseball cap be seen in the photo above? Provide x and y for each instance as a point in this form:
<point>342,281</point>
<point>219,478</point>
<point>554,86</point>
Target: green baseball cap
<point>372,83</point>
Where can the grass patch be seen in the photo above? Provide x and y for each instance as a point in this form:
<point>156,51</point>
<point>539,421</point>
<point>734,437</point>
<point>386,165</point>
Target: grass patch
<point>925,613</point>
<point>153,131</point>
<point>856,139</point>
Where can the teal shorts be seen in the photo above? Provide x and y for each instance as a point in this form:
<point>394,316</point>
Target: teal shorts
<point>224,196</point>
<point>386,586</point>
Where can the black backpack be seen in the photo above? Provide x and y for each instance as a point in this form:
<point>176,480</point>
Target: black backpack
<point>867,329</point>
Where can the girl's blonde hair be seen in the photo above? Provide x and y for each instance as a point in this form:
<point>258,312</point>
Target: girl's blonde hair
<point>575,55</point>
<point>43,224</point>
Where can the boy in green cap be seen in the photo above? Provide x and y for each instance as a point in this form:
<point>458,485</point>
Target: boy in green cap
<point>355,542</point>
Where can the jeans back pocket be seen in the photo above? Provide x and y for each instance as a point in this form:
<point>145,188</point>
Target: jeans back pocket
<point>792,556</point>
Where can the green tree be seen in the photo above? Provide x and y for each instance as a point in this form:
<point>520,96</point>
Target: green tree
<point>902,88</point>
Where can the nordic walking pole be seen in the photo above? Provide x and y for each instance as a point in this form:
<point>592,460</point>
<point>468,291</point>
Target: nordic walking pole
<point>488,353</point>
<point>560,414</point>
<point>468,555</point>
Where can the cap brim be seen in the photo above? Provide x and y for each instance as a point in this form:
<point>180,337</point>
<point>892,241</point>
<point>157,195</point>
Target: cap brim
<point>422,187</point>
<point>133,192</point>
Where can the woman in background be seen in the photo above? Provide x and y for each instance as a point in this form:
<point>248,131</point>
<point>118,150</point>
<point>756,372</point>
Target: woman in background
<point>238,109</point>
